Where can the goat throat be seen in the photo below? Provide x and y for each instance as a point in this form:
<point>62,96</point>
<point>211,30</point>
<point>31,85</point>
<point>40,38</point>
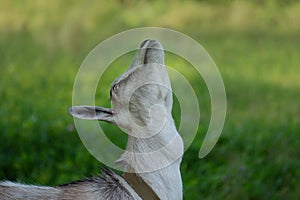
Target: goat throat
<point>156,173</point>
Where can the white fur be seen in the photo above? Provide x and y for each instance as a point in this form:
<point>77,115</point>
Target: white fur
<point>142,105</point>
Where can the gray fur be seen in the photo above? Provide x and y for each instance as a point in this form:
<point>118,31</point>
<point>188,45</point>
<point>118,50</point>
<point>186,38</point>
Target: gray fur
<point>107,186</point>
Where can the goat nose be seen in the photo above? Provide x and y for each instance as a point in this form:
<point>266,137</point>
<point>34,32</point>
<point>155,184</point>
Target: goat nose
<point>154,44</point>
<point>144,43</point>
<point>150,51</point>
<point>154,53</point>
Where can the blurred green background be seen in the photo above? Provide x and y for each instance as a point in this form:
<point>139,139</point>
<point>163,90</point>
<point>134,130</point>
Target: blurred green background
<point>256,46</point>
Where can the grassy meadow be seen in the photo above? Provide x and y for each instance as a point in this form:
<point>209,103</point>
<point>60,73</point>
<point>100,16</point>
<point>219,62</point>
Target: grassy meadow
<point>255,45</point>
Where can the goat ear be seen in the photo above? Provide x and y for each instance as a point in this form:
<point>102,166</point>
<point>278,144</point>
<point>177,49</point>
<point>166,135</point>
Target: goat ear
<point>93,113</point>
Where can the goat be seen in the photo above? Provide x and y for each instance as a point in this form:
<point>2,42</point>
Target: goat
<point>142,104</point>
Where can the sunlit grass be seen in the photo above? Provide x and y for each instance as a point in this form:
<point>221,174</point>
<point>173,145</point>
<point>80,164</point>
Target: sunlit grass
<point>255,46</point>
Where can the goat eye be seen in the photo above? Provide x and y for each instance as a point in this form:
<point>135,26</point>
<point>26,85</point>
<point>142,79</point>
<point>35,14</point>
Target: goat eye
<point>116,88</point>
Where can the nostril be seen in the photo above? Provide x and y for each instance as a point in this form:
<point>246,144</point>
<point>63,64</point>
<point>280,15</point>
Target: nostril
<point>144,42</point>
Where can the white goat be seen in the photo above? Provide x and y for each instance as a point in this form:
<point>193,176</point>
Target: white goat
<point>142,104</point>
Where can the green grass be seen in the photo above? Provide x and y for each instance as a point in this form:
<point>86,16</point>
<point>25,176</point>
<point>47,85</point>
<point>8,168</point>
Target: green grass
<point>257,52</point>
